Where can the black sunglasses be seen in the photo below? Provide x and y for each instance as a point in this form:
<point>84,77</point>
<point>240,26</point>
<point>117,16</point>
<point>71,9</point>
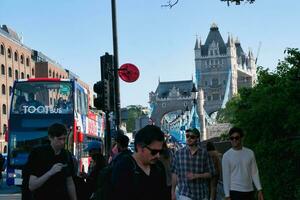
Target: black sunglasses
<point>154,151</point>
<point>190,136</point>
<point>235,138</point>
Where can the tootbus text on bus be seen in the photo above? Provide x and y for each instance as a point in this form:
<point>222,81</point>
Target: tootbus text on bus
<point>38,103</point>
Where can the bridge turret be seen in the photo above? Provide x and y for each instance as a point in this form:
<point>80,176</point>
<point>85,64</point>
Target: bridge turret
<point>197,49</point>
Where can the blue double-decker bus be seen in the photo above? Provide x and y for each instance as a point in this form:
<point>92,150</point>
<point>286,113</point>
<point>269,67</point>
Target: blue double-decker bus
<point>38,103</point>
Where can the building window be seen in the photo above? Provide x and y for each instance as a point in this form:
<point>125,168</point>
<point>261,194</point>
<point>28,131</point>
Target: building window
<point>2,69</point>
<point>9,72</point>
<point>27,61</point>
<point>4,128</point>
<point>4,109</point>
<point>50,73</point>
<point>22,59</point>
<point>32,72</point>
<point>163,105</point>
<point>208,98</point>
<point>214,82</point>
<point>9,53</point>
<point>28,76</point>
<point>2,49</point>
<point>16,74</point>
<point>51,101</point>
<point>22,75</point>
<point>16,56</point>
<point>3,89</point>
<point>53,74</point>
<point>56,75</point>
<point>216,97</point>
<point>10,90</point>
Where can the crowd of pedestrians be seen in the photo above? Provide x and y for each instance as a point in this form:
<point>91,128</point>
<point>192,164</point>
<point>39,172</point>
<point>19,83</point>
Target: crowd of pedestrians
<point>154,171</point>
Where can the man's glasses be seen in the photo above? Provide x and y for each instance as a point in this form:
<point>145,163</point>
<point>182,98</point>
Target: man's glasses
<point>154,151</point>
<point>235,138</point>
<point>190,136</point>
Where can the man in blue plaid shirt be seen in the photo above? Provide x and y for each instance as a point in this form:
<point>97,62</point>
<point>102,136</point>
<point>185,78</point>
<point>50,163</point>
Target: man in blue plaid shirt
<point>191,169</point>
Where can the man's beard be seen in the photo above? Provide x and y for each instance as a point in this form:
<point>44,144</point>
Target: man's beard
<point>193,144</point>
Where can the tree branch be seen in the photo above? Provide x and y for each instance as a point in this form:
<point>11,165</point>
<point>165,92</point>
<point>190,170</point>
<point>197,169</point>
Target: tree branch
<point>170,4</point>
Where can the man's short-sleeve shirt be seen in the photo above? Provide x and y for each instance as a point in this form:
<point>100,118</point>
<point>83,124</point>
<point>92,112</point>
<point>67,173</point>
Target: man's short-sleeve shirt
<point>41,161</point>
<point>184,162</point>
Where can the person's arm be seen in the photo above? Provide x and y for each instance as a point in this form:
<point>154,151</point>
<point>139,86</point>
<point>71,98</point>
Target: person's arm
<point>255,177</point>
<point>255,174</point>
<point>226,176</point>
<point>174,183</point>
<point>36,182</point>
<point>191,176</point>
<point>71,188</point>
<point>209,169</point>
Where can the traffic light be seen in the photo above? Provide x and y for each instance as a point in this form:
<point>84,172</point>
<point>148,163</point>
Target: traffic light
<point>99,100</point>
<point>107,63</point>
<point>102,101</point>
<point>106,95</point>
<point>107,76</point>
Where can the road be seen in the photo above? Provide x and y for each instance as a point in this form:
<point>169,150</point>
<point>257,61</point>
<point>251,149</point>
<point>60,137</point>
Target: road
<point>10,196</point>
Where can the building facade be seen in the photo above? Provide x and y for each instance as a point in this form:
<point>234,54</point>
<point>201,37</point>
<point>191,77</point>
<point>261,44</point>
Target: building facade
<point>18,61</point>
<point>222,68</point>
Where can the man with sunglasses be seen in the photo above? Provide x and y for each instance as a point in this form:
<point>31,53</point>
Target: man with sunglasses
<point>141,175</point>
<point>191,168</point>
<point>240,170</point>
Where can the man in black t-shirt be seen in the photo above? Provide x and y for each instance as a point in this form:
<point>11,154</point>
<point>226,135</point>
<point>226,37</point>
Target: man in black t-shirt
<point>140,176</point>
<point>50,168</point>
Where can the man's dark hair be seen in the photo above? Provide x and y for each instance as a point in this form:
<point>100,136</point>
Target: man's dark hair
<point>123,140</point>
<point>210,146</point>
<point>236,130</point>
<point>194,131</point>
<point>147,135</point>
<point>57,130</point>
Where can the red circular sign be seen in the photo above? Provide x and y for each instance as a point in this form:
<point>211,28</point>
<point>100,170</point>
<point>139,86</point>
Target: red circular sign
<point>129,73</point>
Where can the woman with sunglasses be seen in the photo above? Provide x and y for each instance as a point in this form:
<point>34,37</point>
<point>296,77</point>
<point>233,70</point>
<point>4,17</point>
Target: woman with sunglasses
<point>240,170</point>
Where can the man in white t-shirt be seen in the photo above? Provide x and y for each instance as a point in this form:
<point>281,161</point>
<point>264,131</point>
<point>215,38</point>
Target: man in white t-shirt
<point>240,170</point>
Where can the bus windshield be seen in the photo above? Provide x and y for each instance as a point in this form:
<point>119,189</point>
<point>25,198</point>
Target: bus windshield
<point>42,98</point>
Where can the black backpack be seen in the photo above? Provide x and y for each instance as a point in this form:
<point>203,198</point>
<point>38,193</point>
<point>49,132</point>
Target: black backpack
<point>104,181</point>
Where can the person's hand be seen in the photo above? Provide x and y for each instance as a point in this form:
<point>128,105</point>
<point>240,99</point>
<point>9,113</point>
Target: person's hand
<point>56,168</point>
<point>260,195</point>
<point>190,176</point>
<point>173,194</point>
<point>83,175</point>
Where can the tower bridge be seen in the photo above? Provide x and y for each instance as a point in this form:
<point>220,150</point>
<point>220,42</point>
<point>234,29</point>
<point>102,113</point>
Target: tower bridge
<point>221,69</point>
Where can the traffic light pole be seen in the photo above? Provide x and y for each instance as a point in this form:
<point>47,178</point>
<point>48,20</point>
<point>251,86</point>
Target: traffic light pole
<point>116,65</point>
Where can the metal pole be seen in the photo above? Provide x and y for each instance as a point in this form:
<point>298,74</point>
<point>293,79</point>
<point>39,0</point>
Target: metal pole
<point>116,64</point>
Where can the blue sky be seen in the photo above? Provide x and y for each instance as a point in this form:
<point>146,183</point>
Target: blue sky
<point>158,40</point>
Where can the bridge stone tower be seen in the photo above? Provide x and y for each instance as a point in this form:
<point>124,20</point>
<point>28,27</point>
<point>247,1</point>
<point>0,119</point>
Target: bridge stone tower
<point>222,68</point>
<point>170,97</point>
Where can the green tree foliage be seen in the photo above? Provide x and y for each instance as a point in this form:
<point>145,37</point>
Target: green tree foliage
<point>270,115</point>
<point>133,113</point>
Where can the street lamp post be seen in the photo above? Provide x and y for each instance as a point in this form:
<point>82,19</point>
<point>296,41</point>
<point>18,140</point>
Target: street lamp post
<point>116,64</point>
